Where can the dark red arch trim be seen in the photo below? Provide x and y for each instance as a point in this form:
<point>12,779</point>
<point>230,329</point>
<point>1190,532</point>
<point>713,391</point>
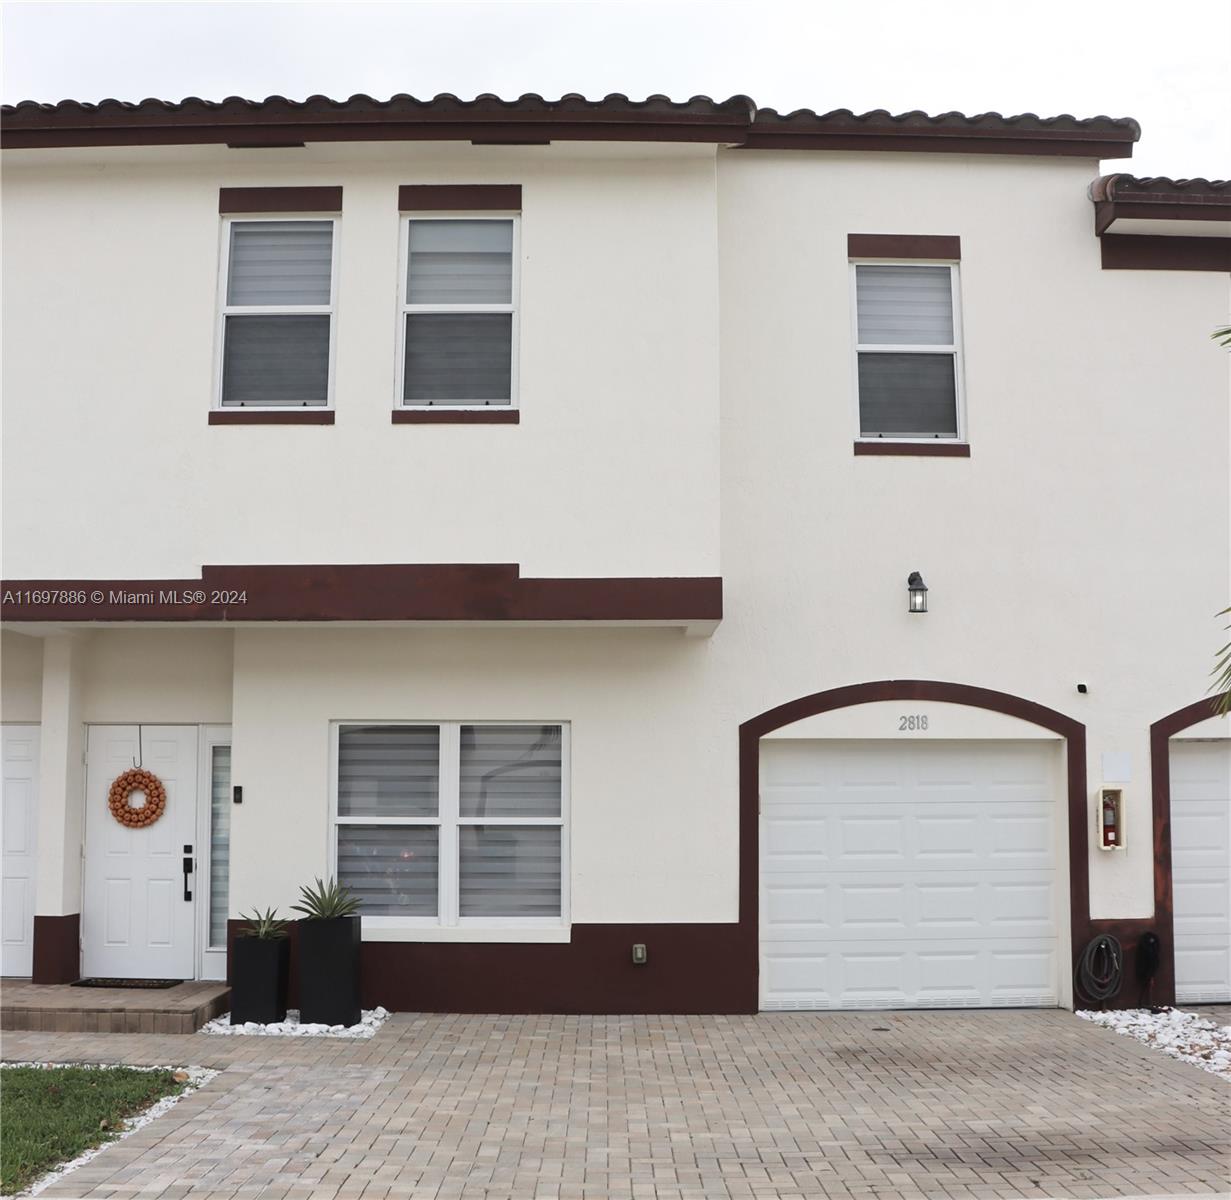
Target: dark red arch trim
<point>1161,733</point>
<point>751,732</point>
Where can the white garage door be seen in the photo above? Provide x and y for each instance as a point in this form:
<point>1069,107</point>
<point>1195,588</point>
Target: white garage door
<point>1201,869</point>
<point>908,875</point>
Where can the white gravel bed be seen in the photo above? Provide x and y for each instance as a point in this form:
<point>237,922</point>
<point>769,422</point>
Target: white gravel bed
<point>191,1077</point>
<point>1183,1035</point>
<point>373,1019</point>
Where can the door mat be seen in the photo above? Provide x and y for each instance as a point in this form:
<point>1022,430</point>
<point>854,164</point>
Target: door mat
<point>128,983</point>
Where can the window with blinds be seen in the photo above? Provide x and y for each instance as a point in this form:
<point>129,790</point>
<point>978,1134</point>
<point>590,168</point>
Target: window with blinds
<point>453,824</point>
<point>459,312</point>
<point>907,351</point>
<point>277,314</point>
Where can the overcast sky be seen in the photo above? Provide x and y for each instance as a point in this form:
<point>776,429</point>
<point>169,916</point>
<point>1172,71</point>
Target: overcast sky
<point>1167,65</point>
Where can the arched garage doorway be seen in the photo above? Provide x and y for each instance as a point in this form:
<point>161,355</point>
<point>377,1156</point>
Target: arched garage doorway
<point>1191,783</point>
<point>882,993</point>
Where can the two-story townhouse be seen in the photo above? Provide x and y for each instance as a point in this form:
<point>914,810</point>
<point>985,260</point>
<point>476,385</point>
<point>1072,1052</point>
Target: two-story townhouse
<point>664,557</point>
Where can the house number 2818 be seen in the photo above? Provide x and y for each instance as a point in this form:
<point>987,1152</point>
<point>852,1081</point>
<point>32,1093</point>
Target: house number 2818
<point>912,723</point>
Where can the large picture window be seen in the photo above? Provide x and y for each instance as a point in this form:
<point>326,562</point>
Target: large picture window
<point>449,824</point>
<point>277,314</point>
<point>459,315</point>
<point>908,351</point>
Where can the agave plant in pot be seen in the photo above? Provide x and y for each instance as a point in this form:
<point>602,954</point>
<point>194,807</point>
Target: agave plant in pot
<point>259,969</point>
<point>328,954</point>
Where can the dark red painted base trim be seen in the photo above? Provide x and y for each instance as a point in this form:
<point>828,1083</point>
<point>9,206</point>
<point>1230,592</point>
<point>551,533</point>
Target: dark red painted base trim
<point>456,416</point>
<point>690,969</point>
<point>269,416</point>
<point>914,449</point>
<point>57,949</point>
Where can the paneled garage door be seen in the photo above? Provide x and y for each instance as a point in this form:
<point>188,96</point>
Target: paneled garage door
<point>1201,869</point>
<point>908,874</point>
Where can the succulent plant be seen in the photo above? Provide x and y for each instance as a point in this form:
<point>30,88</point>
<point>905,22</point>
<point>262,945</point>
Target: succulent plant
<point>326,901</point>
<point>266,925</point>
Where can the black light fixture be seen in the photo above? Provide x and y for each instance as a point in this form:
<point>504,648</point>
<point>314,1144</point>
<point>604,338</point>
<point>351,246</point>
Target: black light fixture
<point>918,592</point>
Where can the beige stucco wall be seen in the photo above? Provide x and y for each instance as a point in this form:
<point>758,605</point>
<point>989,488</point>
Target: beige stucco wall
<point>1085,539</point>
<point>21,677</point>
<point>612,471</point>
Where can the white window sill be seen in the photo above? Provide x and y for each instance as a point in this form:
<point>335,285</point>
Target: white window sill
<point>466,933</point>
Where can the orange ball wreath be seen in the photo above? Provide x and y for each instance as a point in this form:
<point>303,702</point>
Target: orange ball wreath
<point>125,785</point>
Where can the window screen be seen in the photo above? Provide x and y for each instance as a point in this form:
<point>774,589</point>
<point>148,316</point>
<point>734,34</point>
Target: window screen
<point>277,319</point>
<point>458,313</point>
<point>907,351</point>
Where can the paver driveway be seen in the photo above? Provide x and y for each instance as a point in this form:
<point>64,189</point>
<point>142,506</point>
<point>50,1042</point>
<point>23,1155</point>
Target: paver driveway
<point>995,1104</point>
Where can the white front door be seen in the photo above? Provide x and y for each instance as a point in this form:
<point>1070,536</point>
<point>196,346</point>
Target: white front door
<point>908,874</point>
<point>139,916</point>
<point>1201,870</point>
<point>19,847</point>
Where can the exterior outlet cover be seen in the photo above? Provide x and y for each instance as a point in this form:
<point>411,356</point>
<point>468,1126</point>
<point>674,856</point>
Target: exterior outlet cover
<point>639,955</point>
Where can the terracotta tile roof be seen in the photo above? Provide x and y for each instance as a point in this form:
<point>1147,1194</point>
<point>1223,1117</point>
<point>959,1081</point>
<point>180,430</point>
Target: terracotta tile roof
<point>1160,190</point>
<point>735,121</point>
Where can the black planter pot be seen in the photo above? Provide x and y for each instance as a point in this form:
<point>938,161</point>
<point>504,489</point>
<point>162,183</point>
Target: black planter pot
<point>259,976</point>
<point>329,971</point>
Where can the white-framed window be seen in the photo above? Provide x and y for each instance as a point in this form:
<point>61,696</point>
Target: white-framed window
<point>276,313</point>
<point>458,319</point>
<point>908,351</point>
<point>452,824</point>
<point>213,851</point>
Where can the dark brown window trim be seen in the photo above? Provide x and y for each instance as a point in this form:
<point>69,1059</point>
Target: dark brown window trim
<point>917,449</point>
<point>1161,252</point>
<point>269,416</point>
<point>279,199</point>
<point>456,416</point>
<point>903,245</point>
<point>428,197</point>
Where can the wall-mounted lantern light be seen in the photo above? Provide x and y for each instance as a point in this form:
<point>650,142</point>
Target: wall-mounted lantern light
<point>918,592</point>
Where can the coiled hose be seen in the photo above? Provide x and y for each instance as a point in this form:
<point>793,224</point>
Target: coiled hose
<point>1100,970</point>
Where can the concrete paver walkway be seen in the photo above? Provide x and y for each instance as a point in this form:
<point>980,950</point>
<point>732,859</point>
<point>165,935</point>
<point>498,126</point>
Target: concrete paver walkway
<point>876,1106</point>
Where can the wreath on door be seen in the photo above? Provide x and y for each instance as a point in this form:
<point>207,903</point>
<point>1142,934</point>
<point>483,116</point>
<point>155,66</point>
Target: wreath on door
<point>137,816</point>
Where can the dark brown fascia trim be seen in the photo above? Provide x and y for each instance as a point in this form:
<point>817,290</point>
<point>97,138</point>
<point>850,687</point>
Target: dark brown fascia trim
<point>1107,211</point>
<point>532,119</point>
<point>445,197</point>
<point>903,245</point>
<point>946,142</point>
<point>271,416</point>
<point>368,592</point>
<point>915,449</point>
<point>459,416</point>
<point>279,199</point>
<point>1161,733</point>
<point>1161,252</point>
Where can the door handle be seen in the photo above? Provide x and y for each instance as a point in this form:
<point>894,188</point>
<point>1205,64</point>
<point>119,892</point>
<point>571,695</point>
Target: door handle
<point>187,872</point>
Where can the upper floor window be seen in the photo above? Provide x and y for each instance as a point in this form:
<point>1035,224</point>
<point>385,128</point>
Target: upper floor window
<point>459,312</point>
<point>277,314</point>
<point>908,351</point>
